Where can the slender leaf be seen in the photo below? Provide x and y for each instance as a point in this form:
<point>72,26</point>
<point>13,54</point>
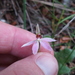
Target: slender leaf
<point>69,17</point>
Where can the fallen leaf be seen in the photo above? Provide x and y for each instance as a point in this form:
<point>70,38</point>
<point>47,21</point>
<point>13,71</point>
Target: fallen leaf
<point>65,39</point>
<point>63,47</point>
<point>14,23</point>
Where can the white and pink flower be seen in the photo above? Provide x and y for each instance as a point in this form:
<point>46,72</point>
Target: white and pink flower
<point>39,41</point>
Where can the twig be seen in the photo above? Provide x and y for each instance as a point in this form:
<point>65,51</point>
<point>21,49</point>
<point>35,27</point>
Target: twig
<point>14,7</point>
<point>60,6</point>
<point>20,14</point>
<point>19,11</point>
<point>29,22</point>
<point>65,27</point>
<point>19,18</point>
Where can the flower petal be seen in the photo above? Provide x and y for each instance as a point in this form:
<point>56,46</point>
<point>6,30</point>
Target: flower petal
<point>46,45</point>
<point>48,39</point>
<point>27,44</point>
<point>35,47</point>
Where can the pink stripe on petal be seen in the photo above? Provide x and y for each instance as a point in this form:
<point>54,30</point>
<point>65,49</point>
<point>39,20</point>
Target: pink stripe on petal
<point>46,45</point>
<point>35,47</point>
<point>48,39</point>
<point>27,44</point>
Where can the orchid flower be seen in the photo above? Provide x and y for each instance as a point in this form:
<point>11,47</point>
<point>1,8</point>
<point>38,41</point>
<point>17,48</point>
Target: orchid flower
<point>39,41</point>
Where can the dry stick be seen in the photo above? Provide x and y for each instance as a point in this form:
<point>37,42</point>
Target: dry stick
<point>20,11</point>
<point>30,22</point>
<point>60,6</point>
<point>14,7</point>
<point>19,17</point>
<point>65,27</point>
<point>20,14</point>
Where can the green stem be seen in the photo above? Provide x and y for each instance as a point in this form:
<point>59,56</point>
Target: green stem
<point>61,16</point>
<point>59,20</point>
<point>24,12</point>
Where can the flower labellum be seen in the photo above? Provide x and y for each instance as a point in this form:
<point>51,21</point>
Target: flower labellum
<point>39,41</point>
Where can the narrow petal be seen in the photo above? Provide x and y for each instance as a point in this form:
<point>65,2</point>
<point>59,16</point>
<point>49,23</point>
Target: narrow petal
<point>35,47</point>
<point>27,44</point>
<point>46,45</point>
<point>48,39</point>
